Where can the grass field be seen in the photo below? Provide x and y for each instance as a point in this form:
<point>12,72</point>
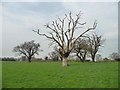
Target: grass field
<point>0,74</point>
<point>53,75</point>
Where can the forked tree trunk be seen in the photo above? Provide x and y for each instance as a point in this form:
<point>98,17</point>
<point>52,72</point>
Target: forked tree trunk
<point>64,61</point>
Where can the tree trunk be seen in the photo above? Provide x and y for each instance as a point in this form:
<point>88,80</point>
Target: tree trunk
<point>64,61</point>
<point>60,58</point>
<point>79,57</point>
<point>84,56</point>
<point>93,58</point>
<point>29,59</point>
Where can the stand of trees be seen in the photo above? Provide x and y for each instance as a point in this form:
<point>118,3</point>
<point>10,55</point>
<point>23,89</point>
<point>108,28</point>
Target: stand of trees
<point>62,33</point>
<point>89,45</point>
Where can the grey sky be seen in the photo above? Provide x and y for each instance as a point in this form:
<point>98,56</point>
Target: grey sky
<point>19,19</point>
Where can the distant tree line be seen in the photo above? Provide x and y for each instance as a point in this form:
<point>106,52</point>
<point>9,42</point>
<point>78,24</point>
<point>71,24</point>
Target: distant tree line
<point>62,34</point>
<point>54,56</point>
<point>83,48</point>
<point>8,59</point>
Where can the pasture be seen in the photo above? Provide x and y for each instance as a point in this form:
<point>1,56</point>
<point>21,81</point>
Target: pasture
<point>53,75</point>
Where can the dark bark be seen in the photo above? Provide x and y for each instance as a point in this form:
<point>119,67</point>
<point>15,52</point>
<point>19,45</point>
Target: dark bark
<point>60,58</point>
<point>80,57</point>
<point>84,56</point>
<point>93,58</point>
<point>29,59</point>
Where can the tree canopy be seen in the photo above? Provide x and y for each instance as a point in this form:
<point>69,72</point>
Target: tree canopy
<point>28,49</point>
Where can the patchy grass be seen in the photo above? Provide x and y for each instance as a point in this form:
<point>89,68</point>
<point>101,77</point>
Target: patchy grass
<point>53,75</point>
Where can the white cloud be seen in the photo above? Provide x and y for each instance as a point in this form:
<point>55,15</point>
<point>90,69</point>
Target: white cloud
<point>18,25</point>
<point>105,13</point>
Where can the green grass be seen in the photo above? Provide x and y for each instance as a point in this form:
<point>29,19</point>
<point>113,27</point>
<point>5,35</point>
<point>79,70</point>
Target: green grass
<point>53,75</point>
<point>0,74</point>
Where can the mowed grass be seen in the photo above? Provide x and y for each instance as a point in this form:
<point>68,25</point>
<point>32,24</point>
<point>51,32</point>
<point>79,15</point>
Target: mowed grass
<point>53,75</point>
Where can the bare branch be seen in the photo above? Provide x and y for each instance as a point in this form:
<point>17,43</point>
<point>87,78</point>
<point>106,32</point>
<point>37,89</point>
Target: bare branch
<point>55,40</point>
<point>63,32</point>
<point>42,34</point>
<point>66,36</point>
<point>60,19</point>
<point>82,23</point>
<point>92,28</point>
<point>95,42</point>
<point>78,27</point>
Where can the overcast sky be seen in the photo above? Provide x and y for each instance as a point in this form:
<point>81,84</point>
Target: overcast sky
<point>20,18</point>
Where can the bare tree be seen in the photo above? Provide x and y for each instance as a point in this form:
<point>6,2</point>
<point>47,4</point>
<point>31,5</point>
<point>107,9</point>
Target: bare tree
<point>95,42</point>
<point>28,49</point>
<point>63,33</point>
<point>81,48</point>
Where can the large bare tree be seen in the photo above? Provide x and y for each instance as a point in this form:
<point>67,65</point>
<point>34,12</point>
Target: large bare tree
<point>28,49</point>
<point>95,42</point>
<point>63,33</point>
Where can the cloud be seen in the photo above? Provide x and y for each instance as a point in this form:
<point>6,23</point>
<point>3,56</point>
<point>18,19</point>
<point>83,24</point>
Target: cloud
<point>17,28</point>
<point>19,19</point>
<point>105,13</point>
<point>60,0</point>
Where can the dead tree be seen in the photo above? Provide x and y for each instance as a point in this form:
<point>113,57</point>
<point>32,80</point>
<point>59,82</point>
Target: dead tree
<point>95,42</point>
<point>63,33</point>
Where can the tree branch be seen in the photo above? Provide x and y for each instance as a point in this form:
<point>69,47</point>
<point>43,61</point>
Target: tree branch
<point>42,34</point>
<point>92,28</point>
